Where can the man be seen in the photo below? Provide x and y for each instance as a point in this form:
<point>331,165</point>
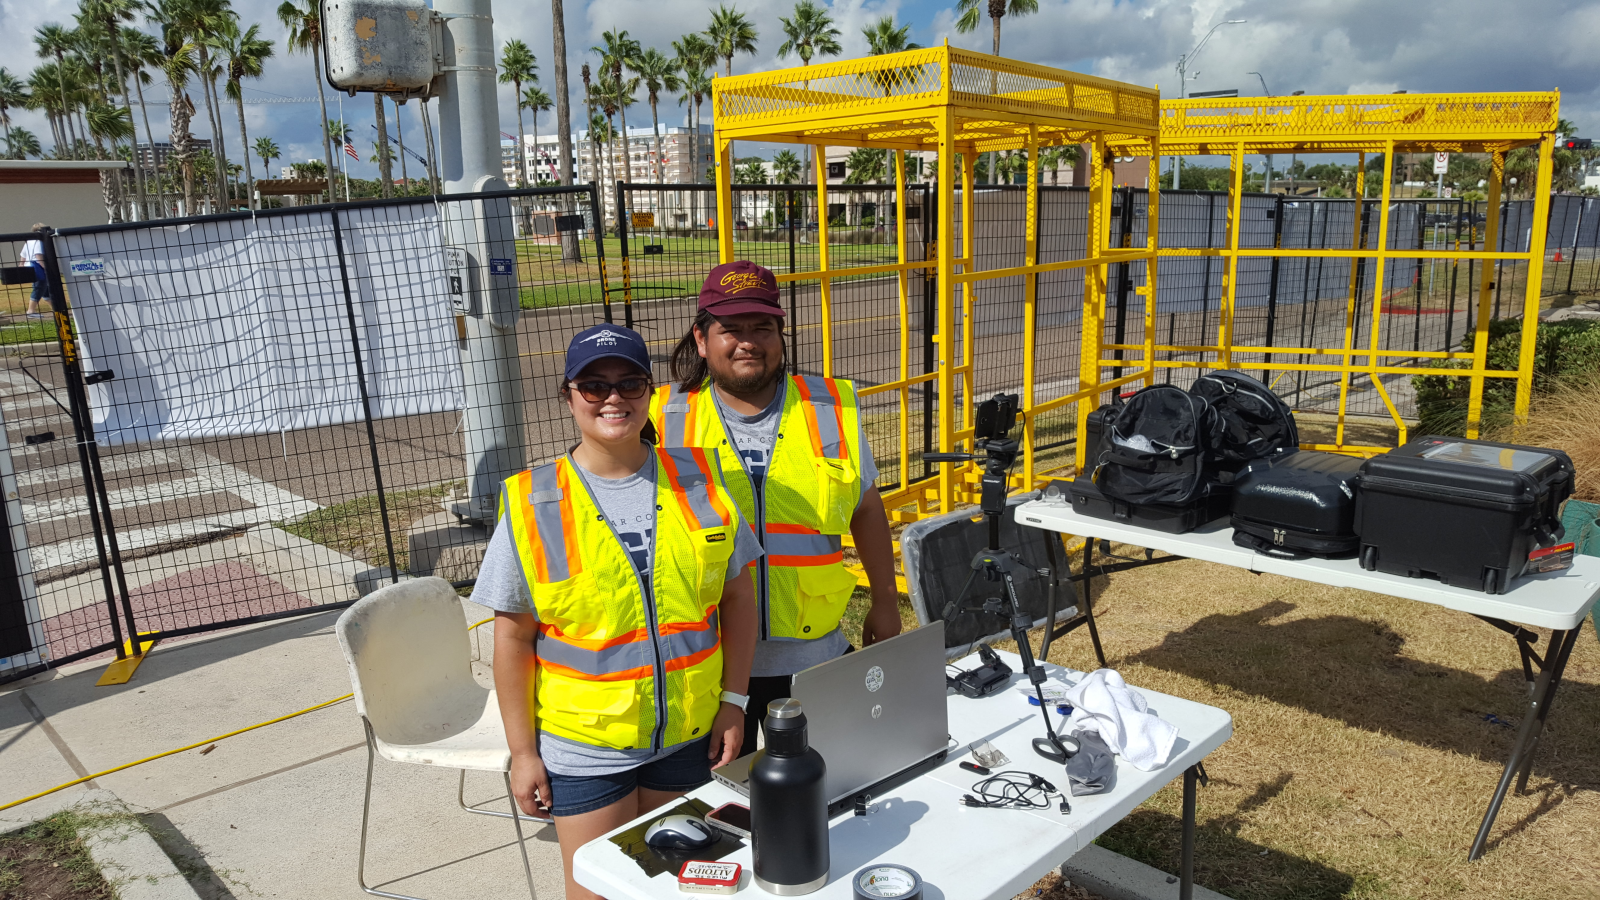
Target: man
<point>807,476</point>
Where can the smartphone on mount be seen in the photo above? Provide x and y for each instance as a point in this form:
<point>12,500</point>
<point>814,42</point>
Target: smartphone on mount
<point>734,818</point>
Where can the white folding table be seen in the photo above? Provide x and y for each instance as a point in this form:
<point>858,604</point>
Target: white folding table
<point>962,852</point>
<point>1557,600</point>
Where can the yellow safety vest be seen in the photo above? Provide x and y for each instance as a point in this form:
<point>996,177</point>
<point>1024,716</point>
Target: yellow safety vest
<point>811,490</point>
<point>615,669</point>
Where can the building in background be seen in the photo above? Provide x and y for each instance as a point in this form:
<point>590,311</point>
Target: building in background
<point>154,156</point>
<point>62,193</point>
<point>677,163</point>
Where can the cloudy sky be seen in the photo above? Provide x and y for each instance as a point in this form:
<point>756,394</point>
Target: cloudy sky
<point>1318,46</point>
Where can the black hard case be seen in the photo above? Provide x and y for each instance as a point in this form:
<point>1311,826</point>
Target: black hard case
<point>1425,511</point>
<point>1087,500</point>
<point>1299,504</point>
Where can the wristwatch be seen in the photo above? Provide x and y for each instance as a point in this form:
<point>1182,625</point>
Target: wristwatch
<point>739,700</point>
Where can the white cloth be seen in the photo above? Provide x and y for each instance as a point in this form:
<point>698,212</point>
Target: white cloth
<point>1103,703</point>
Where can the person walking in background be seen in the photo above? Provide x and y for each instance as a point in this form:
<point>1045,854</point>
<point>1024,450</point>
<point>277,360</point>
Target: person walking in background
<point>805,479</point>
<point>33,255</point>
<point>625,616</point>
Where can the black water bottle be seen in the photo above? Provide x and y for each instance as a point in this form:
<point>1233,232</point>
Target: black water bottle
<point>788,806</point>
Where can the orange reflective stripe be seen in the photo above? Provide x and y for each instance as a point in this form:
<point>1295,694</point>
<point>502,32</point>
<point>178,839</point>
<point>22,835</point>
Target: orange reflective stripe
<point>554,633</point>
<point>679,627</point>
<point>785,528</point>
<point>569,529</point>
<point>678,493</point>
<point>685,662</point>
<point>713,488</point>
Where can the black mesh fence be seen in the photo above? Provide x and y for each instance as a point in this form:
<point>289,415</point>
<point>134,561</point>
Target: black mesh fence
<point>262,415</point>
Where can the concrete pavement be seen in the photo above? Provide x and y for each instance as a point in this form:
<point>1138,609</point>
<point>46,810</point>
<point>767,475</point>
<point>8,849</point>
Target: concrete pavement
<point>274,812</point>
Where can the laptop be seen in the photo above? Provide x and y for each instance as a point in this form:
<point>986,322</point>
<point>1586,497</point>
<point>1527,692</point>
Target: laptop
<point>877,716</point>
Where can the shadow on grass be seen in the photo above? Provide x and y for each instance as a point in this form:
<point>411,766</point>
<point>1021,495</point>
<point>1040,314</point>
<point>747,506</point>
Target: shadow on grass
<point>1352,670</point>
<point>1227,863</point>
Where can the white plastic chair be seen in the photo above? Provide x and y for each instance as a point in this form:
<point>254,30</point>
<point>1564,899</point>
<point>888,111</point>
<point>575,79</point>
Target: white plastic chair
<point>407,649</point>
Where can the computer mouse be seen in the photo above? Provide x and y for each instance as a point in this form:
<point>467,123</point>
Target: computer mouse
<point>679,832</point>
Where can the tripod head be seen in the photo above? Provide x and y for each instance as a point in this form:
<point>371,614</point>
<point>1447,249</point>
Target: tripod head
<point>996,417</point>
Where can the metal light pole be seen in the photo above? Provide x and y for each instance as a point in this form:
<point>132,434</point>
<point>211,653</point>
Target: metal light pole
<point>1266,188</point>
<point>1183,84</point>
<point>469,151</point>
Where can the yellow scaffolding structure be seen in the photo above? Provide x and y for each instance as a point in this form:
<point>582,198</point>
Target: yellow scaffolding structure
<point>956,103</point>
<point>1390,123</point>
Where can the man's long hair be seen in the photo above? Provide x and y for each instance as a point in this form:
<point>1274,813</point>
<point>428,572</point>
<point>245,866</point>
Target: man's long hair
<point>688,368</point>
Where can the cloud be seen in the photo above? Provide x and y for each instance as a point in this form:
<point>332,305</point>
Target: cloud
<point>1318,46</point>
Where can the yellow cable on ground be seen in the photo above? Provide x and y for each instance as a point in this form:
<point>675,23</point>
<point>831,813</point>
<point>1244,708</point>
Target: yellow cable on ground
<point>137,762</point>
<point>179,750</point>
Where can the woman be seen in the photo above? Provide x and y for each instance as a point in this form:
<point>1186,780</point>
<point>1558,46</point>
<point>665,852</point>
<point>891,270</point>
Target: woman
<point>622,678</point>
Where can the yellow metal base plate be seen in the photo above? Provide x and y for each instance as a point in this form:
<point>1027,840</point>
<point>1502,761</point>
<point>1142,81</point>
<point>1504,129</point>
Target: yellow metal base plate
<point>121,670</point>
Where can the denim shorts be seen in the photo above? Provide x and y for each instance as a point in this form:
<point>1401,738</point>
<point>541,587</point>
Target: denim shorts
<point>681,772</point>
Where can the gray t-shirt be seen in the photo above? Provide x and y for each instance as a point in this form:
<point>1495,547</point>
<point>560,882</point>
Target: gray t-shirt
<point>753,437</point>
<point>629,504</point>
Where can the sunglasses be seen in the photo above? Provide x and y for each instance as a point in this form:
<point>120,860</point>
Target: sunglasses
<point>600,391</point>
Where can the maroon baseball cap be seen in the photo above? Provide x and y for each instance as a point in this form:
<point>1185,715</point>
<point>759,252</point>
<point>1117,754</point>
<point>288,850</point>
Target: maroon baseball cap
<point>740,287</point>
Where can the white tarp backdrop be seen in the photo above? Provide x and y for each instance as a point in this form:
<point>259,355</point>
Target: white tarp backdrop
<point>241,327</point>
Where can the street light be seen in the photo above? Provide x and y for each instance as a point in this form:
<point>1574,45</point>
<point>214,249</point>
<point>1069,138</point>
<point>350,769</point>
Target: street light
<point>1266,188</point>
<point>1183,83</point>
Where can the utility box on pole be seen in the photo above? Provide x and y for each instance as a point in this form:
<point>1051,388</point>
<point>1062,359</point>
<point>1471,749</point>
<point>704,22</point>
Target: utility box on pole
<point>403,48</point>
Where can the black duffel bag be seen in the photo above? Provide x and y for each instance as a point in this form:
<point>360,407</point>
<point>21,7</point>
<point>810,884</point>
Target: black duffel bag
<point>1254,423</point>
<point>1157,448</point>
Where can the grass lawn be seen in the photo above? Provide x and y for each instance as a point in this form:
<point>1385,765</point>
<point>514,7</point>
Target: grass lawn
<point>549,281</point>
<point>355,527</point>
<point>28,332</point>
<point>48,860</point>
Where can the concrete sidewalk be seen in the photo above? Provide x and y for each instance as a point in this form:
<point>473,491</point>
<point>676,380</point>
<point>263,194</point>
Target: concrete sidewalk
<point>275,812</point>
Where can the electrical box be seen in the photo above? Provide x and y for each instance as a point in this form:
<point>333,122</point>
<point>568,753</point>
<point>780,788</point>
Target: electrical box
<point>480,256</point>
<point>384,46</point>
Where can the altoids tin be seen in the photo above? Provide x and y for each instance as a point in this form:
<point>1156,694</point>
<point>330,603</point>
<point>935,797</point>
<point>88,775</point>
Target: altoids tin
<point>701,877</point>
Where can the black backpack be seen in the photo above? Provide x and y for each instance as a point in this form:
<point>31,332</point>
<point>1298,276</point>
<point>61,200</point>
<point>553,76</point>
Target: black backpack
<point>1157,448</point>
<point>1254,423</point>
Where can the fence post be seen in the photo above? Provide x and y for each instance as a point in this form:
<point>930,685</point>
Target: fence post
<point>794,329</point>
<point>622,243</point>
<point>1272,282</point>
<point>930,312</point>
<point>1124,276</point>
<point>105,542</point>
<point>597,229</point>
<point>366,401</point>
<point>1572,264</point>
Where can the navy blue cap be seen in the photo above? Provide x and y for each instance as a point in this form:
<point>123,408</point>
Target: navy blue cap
<point>606,342</point>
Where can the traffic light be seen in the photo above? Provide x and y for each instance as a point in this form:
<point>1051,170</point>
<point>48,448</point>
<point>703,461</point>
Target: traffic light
<point>1576,143</point>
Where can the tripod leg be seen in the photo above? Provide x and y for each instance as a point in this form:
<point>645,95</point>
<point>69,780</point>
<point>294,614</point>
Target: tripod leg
<point>1088,601</point>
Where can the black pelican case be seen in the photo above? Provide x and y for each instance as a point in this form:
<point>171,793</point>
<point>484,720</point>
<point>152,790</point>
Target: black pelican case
<point>1462,511</point>
<point>1297,504</point>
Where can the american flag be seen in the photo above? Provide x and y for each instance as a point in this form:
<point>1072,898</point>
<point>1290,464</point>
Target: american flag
<point>350,151</point>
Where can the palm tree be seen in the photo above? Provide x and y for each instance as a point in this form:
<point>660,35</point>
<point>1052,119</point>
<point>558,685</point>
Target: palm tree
<point>613,97</point>
<point>1054,158</point>
<point>731,32</point>
<point>267,149</point>
<point>193,21</point>
<point>568,174</point>
<point>178,64</point>
<point>141,51</point>
<point>111,14</point>
<point>617,51</point>
<point>385,157</point>
<point>13,95</point>
<point>517,64</point>
<point>658,72</point>
<point>21,143</point>
<point>55,40</point>
<point>696,87</point>
<point>809,32</point>
<point>786,167</point>
<point>693,55</point>
<point>968,12</point>
<point>588,112</point>
<point>44,97</point>
<point>305,36</point>
<point>967,21</point>
<point>536,101</point>
<point>244,56</point>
